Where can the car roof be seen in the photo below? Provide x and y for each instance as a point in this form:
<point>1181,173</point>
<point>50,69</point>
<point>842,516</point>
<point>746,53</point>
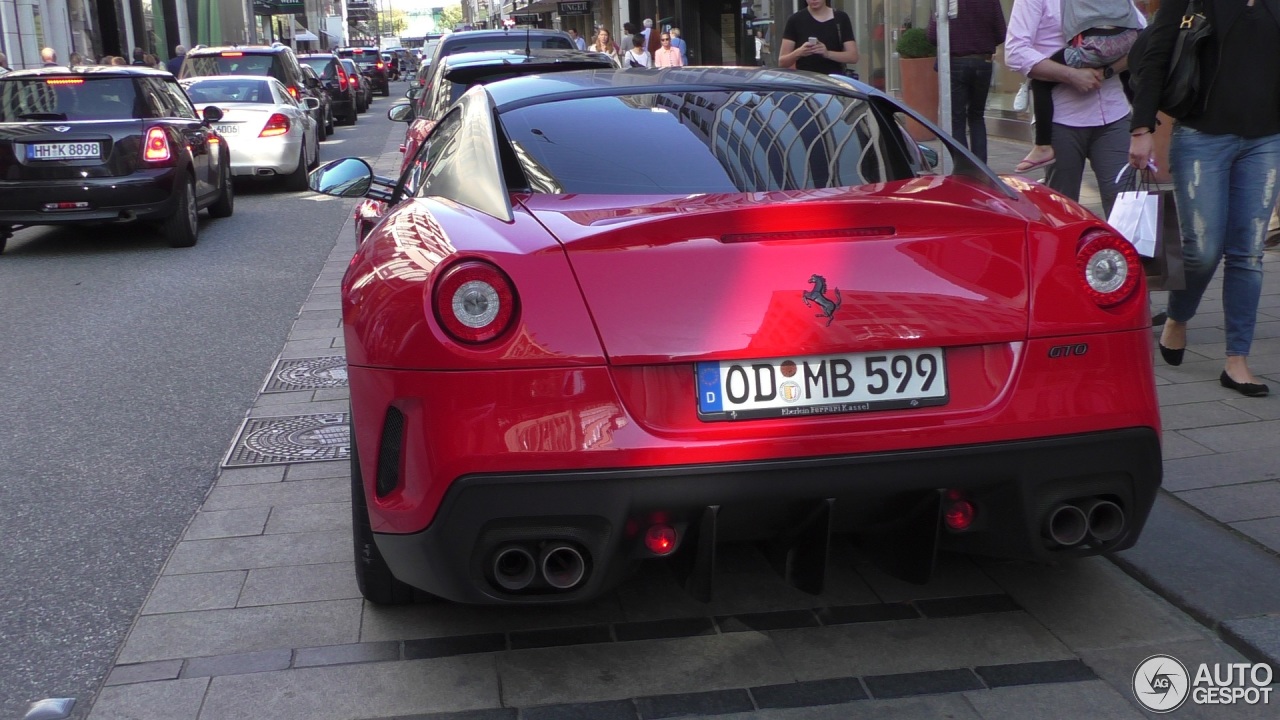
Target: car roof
<point>248,49</point>
<point>219,78</point>
<point>536,56</point>
<point>313,55</point>
<point>89,70</point>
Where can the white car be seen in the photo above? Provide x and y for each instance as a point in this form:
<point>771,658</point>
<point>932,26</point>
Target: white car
<point>268,132</point>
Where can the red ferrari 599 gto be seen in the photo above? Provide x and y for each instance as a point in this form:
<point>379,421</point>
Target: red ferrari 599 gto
<point>784,319</point>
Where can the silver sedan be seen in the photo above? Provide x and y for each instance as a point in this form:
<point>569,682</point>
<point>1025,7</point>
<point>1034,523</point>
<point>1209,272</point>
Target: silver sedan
<point>268,132</point>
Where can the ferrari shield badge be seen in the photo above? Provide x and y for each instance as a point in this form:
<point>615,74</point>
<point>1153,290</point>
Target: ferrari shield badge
<point>817,295</point>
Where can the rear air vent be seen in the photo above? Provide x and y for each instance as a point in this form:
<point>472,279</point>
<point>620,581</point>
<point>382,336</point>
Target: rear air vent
<point>389,452</point>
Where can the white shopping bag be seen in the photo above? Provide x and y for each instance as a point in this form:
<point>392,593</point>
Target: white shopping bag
<point>1136,216</point>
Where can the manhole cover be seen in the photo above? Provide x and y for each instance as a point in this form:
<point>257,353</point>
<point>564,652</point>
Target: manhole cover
<point>307,374</point>
<point>291,439</point>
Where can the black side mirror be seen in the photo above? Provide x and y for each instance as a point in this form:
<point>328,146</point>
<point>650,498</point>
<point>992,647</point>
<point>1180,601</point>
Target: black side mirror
<point>211,114</point>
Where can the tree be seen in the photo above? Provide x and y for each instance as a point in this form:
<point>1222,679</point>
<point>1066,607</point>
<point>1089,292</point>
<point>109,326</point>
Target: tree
<point>450,17</point>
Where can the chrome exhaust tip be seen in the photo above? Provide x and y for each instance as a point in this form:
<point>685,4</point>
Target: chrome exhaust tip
<point>513,567</point>
<point>1066,525</point>
<point>562,566</point>
<point>1106,520</point>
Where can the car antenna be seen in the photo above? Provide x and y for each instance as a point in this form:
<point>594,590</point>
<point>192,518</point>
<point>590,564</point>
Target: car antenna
<point>528,52</point>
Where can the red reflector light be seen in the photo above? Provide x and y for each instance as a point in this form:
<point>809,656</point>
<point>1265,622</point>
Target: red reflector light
<point>231,54</point>
<point>342,79</point>
<point>64,81</point>
<point>660,539</point>
<point>474,302</point>
<point>156,146</point>
<point>293,92</point>
<point>277,124</point>
<point>957,511</point>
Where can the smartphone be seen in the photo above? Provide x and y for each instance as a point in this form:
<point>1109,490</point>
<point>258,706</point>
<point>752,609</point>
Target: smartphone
<point>813,41</point>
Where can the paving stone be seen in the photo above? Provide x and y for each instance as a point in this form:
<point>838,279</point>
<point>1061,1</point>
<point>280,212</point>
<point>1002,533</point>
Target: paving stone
<point>247,553</point>
<point>878,612</point>
<point>318,320</point>
<point>144,672</point>
<point>655,629</point>
<point>321,303</point>
<point>240,630</point>
<point>555,637</point>
<point>309,407</point>
<point>286,398</point>
<point>906,646</point>
<point>488,714</point>
<point>170,700</point>
<point>314,333</point>
<point>227,523</point>
<point>335,393</point>
<point>1263,411</point>
<point>951,707</point>
<point>451,619</point>
<point>1174,445</point>
<point>346,692</point>
<point>316,517</point>
<point>763,622</point>
<point>238,664</point>
<point>954,576</point>
<point>1261,461</point>
<point>299,349</point>
<point>1190,392</point>
<point>1090,603</point>
<point>250,476</point>
<point>921,683</point>
<point>1232,503</point>
<point>299,583</point>
<point>1265,531</point>
<point>1258,638</point>
<point>606,710</point>
<point>809,693</point>
<point>286,494</point>
<point>1202,414</point>
<point>1066,701</point>
<point>1230,438</point>
<point>349,654</point>
<point>315,470</point>
<point>970,605</point>
<point>1053,671</point>
<point>715,702</point>
<point>586,673</point>
<point>456,645</point>
<point>201,591</point>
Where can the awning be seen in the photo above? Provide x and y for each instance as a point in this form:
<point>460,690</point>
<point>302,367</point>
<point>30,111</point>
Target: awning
<point>536,8</point>
<point>306,36</point>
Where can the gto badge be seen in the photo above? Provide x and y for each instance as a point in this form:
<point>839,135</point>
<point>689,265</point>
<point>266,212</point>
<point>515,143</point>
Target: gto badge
<point>818,295</point>
<point>62,128</point>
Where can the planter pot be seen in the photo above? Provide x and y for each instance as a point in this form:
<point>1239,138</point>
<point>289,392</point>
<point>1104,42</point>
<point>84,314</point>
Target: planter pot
<point>920,92</point>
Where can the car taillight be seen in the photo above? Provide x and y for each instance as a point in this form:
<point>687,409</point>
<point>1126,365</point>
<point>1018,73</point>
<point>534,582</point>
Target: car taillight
<point>64,81</point>
<point>155,147</point>
<point>1109,267</point>
<point>342,79</point>
<point>379,65</point>
<point>277,124</point>
<point>293,92</point>
<point>231,54</point>
<point>474,302</point>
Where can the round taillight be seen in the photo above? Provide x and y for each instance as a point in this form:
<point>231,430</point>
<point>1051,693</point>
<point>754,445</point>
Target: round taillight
<point>958,514</point>
<point>1109,268</point>
<point>660,539</point>
<point>474,302</point>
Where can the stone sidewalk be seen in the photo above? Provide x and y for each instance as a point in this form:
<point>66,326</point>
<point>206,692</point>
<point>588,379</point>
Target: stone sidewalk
<point>261,581</point>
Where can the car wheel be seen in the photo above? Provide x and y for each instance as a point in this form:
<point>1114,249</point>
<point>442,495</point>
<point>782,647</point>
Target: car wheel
<point>297,180</point>
<point>182,227</point>
<point>226,203</point>
<point>328,119</point>
<point>321,132</point>
<point>315,155</point>
<point>373,577</point>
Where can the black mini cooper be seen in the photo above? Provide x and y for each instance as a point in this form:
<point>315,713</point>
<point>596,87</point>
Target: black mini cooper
<point>113,144</point>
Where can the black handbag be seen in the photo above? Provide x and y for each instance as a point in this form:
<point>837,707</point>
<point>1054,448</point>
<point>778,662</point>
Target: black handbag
<point>1181,94</point>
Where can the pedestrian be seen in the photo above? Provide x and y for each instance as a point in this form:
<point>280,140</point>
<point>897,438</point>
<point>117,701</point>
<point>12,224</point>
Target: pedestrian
<point>117,60</point>
<point>605,44</point>
<point>1224,157</point>
<point>1101,32</point>
<point>139,57</point>
<point>648,28</point>
<point>819,39</point>
<point>666,56</point>
<point>174,64</point>
<point>975,30</point>
<point>1091,113</point>
<point>4,62</point>
<point>49,57</point>
<point>578,41</point>
<point>76,59</point>
<point>638,56</point>
<point>678,43</point>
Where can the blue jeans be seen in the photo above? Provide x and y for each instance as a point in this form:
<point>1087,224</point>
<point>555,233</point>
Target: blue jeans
<point>970,84</point>
<point>1225,187</point>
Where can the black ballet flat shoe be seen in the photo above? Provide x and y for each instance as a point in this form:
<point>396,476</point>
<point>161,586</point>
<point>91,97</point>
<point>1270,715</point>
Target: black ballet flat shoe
<point>1171,356</point>
<point>1246,389</point>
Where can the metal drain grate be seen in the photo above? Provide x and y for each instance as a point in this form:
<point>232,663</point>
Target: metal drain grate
<point>291,439</point>
<point>307,374</point>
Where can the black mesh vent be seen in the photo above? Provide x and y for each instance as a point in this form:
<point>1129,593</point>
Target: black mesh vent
<point>389,452</point>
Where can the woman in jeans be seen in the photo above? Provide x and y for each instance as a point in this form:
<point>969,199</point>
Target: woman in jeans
<point>1225,160</point>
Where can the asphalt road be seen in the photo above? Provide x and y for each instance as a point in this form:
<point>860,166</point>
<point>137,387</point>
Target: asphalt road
<point>127,368</point>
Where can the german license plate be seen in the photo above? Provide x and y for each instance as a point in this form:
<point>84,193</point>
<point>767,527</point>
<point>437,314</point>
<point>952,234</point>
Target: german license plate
<point>821,384</point>
<point>64,151</point>
<point>227,129</point>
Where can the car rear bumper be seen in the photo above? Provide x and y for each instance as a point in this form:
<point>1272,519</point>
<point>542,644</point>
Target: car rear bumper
<point>263,156</point>
<point>145,195</point>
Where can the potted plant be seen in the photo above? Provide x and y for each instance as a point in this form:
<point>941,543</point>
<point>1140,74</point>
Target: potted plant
<point>917,60</point>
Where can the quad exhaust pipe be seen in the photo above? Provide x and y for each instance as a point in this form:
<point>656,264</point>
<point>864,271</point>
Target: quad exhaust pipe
<point>1094,519</point>
<point>559,565</point>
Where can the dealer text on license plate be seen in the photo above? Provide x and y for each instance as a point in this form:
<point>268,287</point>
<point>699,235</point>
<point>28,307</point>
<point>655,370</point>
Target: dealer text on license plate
<point>64,151</point>
<point>227,129</point>
<point>821,384</point>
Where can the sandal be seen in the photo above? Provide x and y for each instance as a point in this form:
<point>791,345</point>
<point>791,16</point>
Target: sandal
<point>1027,166</point>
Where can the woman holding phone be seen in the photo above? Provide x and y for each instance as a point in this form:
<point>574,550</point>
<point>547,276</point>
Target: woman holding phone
<point>819,39</point>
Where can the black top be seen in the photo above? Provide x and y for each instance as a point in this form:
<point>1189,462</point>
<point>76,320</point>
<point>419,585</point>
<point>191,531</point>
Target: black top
<point>1240,67</point>
<point>833,33</point>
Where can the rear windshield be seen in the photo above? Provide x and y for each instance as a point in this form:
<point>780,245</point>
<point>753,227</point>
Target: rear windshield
<point>79,98</point>
<point>319,64</point>
<point>711,142</point>
<point>514,41</point>
<point>225,91</point>
<point>233,64</point>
